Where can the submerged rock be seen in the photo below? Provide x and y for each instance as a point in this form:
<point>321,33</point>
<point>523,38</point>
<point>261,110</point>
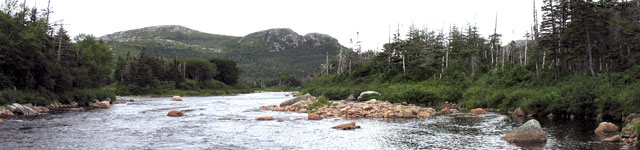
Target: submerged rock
<point>607,127</point>
<point>529,132</point>
<point>1,121</point>
<point>265,118</point>
<point>347,126</point>
<point>176,98</point>
<point>292,101</point>
<point>175,113</point>
<point>478,111</point>
<point>363,94</point>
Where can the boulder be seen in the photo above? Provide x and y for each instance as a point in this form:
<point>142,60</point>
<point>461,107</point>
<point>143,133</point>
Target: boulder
<point>175,113</point>
<point>518,112</point>
<point>529,132</point>
<point>351,98</point>
<point>367,108</point>
<point>6,112</point>
<point>478,111</point>
<point>314,117</point>
<point>1,121</point>
<point>294,100</point>
<point>607,127</point>
<point>176,98</point>
<point>615,138</point>
<point>119,102</point>
<point>265,118</point>
<point>630,118</point>
<point>132,100</point>
<point>363,94</point>
<point>445,111</point>
<point>347,126</point>
<point>21,109</point>
<point>302,111</point>
<point>101,105</point>
<point>246,110</point>
<point>407,113</point>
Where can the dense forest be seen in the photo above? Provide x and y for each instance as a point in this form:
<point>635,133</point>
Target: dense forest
<point>40,64</point>
<point>581,59</point>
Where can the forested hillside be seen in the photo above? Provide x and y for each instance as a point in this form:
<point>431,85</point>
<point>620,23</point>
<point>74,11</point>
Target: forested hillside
<point>580,60</point>
<point>261,55</point>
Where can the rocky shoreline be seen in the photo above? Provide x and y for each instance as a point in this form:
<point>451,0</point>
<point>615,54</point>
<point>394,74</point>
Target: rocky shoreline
<point>350,108</point>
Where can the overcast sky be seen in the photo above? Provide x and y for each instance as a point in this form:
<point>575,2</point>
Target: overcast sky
<point>338,18</point>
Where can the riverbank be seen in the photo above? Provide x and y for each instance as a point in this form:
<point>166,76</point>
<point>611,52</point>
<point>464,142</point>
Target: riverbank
<point>610,96</point>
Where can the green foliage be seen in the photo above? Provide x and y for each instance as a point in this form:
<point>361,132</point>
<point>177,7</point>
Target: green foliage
<point>321,102</point>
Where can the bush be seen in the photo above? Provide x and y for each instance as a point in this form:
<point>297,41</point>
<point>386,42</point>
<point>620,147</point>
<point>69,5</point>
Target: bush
<point>322,101</point>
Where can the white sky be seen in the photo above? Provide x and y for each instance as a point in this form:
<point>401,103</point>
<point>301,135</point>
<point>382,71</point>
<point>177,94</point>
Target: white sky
<point>338,18</point>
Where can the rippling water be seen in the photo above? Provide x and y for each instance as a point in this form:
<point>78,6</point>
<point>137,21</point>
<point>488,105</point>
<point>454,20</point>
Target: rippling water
<point>144,125</point>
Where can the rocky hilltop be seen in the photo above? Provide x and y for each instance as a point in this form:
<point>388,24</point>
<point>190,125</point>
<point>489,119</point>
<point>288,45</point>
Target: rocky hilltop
<point>262,54</point>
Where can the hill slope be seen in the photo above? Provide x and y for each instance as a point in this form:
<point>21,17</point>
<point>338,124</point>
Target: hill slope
<point>262,54</point>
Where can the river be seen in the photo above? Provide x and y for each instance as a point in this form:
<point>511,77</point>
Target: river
<point>143,124</point>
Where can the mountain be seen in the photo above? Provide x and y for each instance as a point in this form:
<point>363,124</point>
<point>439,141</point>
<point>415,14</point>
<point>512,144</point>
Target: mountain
<point>262,54</point>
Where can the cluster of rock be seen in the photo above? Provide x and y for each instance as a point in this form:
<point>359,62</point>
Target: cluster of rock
<point>608,132</point>
<point>368,109</point>
<point>26,110</point>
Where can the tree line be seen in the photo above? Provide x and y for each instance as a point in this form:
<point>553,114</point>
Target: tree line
<point>40,64</point>
<point>570,63</point>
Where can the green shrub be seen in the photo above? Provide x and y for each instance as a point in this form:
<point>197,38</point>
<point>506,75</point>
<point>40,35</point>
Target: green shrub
<point>322,101</point>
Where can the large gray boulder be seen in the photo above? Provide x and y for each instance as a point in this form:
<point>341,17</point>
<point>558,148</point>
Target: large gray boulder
<point>21,109</point>
<point>529,132</point>
<point>365,93</point>
<point>294,100</point>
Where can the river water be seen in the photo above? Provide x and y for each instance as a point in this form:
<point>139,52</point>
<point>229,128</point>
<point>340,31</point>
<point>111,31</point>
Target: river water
<point>143,124</point>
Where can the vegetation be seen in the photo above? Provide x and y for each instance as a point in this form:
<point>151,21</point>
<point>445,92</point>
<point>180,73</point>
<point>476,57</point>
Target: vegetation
<point>154,75</point>
<point>263,55</point>
<point>41,68</point>
<point>584,61</point>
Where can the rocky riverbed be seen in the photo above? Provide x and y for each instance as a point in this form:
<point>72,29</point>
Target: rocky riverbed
<point>223,122</point>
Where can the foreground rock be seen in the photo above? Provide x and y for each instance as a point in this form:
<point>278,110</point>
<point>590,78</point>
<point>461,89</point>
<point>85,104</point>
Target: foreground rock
<point>176,98</point>
<point>314,117</point>
<point>101,105</point>
<point>292,101</point>
<point>518,112</point>
<point>175,113</point>
<point>529,132</point>
<point>347,126</point>
<point>16,108</point>
<point>367,93</point>
<point>265,118</point>
<point>478,111</point>
<point>606,127</point>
